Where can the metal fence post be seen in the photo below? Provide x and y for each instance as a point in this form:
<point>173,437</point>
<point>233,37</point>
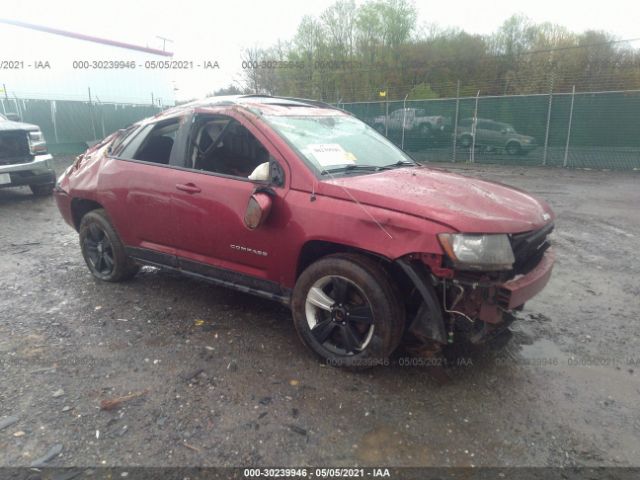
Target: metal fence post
<point>52,103</point>
<point>404,119</point>
<point>546,133</point>
<point>18,109</point>
<point>455,123</point>
<point>386,117</point>
<point>93,123</point>
<point>474,126</point>
<point>566,147</point>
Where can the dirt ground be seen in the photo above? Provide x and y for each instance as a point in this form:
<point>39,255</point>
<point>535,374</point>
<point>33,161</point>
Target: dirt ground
<point>219,378</point>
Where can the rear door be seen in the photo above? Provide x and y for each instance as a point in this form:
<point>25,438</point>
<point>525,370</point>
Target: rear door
<point>136,189</point>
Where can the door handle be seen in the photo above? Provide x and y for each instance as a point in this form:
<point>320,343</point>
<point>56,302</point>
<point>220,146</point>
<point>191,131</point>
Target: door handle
<point>188,187</point>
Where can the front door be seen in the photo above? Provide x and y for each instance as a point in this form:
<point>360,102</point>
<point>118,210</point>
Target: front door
<point>210,201</point>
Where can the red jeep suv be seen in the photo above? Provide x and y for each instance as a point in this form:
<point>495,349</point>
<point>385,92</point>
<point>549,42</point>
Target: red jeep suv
<point>302,203</point>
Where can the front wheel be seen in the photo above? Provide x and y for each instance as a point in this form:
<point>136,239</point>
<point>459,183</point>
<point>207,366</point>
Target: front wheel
<point>513,148</point>
<point>102,249</point>
<point>346,310</point>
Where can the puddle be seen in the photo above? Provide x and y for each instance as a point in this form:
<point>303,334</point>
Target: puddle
<point>544,350</point>
<point>541,353</point>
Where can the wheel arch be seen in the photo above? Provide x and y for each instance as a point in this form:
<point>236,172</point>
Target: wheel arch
<point>314,250</point>
<point>80,207</point>
<point>513,141</point>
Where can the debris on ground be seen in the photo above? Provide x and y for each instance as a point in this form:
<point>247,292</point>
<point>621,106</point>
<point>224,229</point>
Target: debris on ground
<point>7,422</point>
<point>193,374</point>
<point>50,455</point>
<point>191,447</point>
<point>298,430</point>
<point>114,403</point>
<point>58,393</point>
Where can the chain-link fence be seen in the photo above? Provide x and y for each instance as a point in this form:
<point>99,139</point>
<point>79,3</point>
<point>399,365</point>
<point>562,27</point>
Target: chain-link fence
<point>69,126</point>
<point>584,130</point>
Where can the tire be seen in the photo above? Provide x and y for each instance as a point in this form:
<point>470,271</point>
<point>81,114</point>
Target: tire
<point>347,311</point>
<point>42,190</point>
<point>103,250</point>
<point>513,148</point>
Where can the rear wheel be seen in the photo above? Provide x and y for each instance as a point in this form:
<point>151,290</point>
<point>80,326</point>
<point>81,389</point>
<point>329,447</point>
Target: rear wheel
<point>42,190</point>
<point>102,249</point>
<point>346,310</point>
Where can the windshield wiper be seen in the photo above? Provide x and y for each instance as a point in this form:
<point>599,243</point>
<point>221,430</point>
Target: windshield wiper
<point>352,167</point>
<point>401,163</point>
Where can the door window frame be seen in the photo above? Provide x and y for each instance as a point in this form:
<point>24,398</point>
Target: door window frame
<point>274,154</point>
<point>177,150</point>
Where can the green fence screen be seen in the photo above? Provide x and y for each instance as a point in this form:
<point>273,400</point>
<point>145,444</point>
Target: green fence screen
<point>584,130</point>
<point>69,126</point>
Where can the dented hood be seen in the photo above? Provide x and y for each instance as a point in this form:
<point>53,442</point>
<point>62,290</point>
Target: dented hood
<point>465,204</point>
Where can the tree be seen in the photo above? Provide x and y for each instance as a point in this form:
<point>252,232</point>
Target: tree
<point>228,90</point>
<point>350,52</point>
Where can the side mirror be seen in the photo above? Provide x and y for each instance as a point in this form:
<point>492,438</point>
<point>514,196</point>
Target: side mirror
<point>14,117</point>
<point>258,210</point>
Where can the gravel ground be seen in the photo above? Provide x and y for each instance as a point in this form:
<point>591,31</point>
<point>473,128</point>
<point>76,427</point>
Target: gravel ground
<point>219,378</point>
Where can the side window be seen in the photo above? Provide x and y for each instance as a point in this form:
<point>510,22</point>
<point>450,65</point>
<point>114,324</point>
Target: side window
<point>154,142</point>
<point>223,145</point>
<point>134,144</point>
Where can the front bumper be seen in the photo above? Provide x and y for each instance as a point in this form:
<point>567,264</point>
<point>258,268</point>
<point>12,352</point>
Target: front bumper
<point>39,171</point>
<point>516,292</point>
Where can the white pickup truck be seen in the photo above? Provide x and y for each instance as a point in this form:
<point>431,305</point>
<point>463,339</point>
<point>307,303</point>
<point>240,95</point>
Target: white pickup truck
<point>414,121</point>
<point>23,156</point>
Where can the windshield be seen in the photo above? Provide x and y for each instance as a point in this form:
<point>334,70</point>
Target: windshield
<point>340,142</point>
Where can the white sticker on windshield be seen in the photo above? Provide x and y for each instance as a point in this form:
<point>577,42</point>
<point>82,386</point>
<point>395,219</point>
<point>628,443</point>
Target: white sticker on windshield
<point>330,154</point>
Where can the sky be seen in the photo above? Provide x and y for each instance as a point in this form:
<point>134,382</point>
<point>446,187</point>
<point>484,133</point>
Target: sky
<point>219,31</point>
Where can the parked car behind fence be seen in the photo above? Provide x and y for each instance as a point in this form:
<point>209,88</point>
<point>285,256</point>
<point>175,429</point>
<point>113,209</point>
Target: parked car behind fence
<point>494,135</point>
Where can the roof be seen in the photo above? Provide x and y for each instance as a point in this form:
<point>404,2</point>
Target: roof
<point>258,99</point>
<point>265,103</point>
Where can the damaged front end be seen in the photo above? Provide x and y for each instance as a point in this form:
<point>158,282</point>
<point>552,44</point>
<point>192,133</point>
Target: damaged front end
<point>469,294</point>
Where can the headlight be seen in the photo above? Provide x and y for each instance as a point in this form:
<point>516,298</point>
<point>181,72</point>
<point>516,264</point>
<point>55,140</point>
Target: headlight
<point>37,143</point>
<point>478,252</point>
